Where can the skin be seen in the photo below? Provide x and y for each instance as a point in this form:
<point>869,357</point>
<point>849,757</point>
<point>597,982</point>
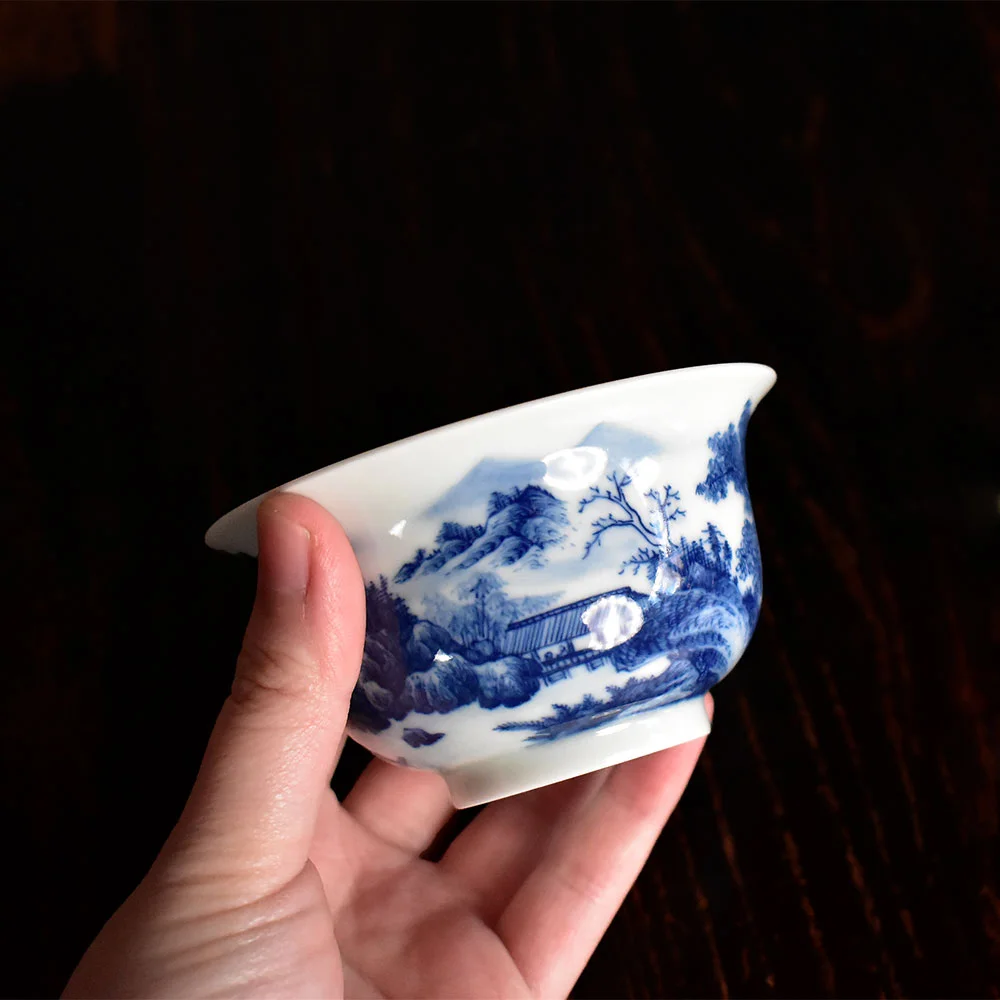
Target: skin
<point>268,886</point>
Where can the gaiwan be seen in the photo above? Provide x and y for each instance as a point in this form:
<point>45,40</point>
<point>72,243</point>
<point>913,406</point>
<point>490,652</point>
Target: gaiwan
<point>551,588</point>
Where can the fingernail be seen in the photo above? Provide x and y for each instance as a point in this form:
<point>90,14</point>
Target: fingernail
<point>284,553</point>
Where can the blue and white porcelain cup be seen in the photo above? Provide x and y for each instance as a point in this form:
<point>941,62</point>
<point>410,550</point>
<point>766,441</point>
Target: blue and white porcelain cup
<point>552,588</point>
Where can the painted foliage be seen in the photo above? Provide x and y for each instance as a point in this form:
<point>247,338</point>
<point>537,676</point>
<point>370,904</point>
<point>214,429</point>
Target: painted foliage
<point>685,609</point>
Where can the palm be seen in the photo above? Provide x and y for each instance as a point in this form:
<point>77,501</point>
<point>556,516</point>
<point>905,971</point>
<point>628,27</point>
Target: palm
<point>519,899</point>
<point>406,926</point>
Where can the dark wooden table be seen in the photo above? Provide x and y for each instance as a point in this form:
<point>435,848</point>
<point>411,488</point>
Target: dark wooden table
<point>240,242</point>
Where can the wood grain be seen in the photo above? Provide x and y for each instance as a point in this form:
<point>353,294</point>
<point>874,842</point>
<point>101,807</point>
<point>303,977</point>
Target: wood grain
<point>241,241</point>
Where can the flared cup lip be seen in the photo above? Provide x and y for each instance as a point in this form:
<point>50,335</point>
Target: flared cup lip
<point>218,534</point>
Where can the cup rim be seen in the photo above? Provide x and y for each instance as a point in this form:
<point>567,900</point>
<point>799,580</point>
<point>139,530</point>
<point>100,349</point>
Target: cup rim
<point>543,402</point>
<point>737,369</point>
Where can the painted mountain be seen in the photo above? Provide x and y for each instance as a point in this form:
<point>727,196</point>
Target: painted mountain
<point>520,525</point>
<point>621,445</point>
<point>491,475</point>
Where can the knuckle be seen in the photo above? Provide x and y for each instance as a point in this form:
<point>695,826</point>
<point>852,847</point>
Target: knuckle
<point>265,673</point>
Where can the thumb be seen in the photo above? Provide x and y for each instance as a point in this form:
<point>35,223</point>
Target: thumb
<point>271,755</point>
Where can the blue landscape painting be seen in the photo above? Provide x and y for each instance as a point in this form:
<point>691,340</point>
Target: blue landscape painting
<point>685,605</point>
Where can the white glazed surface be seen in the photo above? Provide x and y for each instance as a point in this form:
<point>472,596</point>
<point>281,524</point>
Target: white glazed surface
<point>652,431</point>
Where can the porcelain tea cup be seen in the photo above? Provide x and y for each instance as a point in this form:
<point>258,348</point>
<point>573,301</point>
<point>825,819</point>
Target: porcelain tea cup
<point>553,587</point>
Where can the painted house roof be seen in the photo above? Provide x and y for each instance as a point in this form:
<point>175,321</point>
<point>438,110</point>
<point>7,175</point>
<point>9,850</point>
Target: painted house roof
<point>556,625</point>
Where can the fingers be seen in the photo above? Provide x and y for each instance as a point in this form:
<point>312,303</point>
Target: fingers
<point>558,915</point>
<point>403,807</point>
<point>496,852</point>
<point>270,757</point>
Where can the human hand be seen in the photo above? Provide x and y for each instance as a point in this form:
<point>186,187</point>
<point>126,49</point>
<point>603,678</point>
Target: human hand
<point>268,886</point>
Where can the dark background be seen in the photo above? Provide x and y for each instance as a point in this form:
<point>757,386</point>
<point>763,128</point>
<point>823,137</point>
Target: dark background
<point>241,242</point>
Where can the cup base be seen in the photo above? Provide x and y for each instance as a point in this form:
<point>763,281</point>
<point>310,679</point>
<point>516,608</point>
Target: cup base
<point>544,764</point>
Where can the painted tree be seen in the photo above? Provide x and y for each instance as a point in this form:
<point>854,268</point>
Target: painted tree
<point>749,569</point>
<point>748,565</point>
<point>380,695</point>
<point>727,467</point>
<point>410,569</point>
<point>707,561</point>
<point>478,620</point>
<point>721,552</point>
<point>479,617</point>
<point>653,528</point>
<point>499,499</point>
<point>465,534</point>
